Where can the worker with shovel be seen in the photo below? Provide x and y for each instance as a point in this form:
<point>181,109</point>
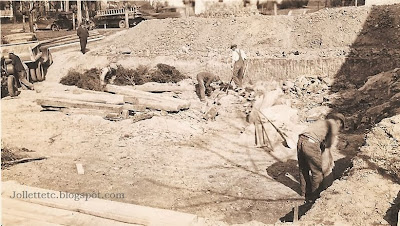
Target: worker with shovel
<point>314,154</point>
<point>238,65</point>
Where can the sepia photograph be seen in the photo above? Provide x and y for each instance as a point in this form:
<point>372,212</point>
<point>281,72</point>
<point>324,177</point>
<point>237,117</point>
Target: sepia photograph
<point>200,112</point>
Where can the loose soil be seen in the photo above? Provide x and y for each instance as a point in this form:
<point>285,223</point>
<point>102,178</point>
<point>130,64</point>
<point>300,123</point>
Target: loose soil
<point>210,168</point>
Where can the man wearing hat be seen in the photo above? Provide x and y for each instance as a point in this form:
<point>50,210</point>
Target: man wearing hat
<point>83,34</point>
<point>314,154</point>
<point>20,70</point>
<point>238,62</point>
<point>107,73</point>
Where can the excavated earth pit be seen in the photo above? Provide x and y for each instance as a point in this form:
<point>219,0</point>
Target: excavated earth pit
<point>305,66</point>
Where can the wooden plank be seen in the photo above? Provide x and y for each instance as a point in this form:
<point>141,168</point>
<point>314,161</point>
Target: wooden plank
<point>22,220</point>
<point>163,87</point>
<point>82,111</point>
<point>80,169</point>
<point>52,102</point>
<point>150,100</point>
<point>131,100</point>
<point>98,97</point>
<point>141,117</point>
<point>122,212</point>
<point>16,212</point>
<point>134,107</point>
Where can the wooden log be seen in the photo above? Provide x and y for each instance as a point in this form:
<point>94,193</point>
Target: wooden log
<point>131,100</point>
<point>163,87</point>
<point>51,102</point>
<point>150,100</point>
<point>98,97</point>
<point>141,117</point>
<point>135,108</point>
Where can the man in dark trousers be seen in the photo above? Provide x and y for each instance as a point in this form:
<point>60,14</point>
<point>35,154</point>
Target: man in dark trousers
<point>19,70</point>
<point>204,80</point>
<point>314,154</point>
<point>238,65</point>
<point>83,34</point>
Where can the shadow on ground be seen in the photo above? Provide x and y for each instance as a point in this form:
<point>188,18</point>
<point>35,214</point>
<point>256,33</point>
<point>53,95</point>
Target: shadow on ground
<point>376,50</point>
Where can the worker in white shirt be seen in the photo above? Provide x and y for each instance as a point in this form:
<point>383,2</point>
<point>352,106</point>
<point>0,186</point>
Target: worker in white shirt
<point>107,72</point>
<point>238,62</point>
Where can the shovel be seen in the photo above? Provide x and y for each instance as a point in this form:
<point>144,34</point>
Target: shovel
<point>287,142</point>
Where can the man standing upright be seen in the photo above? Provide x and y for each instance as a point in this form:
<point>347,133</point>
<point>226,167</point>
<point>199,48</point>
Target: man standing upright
<point>238,62</point>
<point>83,34</point>
<point>314,154</point>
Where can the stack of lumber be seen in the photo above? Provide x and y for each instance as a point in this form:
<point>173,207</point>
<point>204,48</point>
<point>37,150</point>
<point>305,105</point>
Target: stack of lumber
<point>88,102</point>
<point>149,100</point>
<point>99,101</point>
<point>124,102</point>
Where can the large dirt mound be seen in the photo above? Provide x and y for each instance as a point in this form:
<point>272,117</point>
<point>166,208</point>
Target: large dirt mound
<point>327,32</point>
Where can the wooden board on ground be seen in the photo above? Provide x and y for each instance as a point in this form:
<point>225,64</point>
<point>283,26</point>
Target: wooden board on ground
<point>97,97</point>
<point>163,87</point>
<point>100,208</point>
<point>52,102</point>
<point>150,100</point>
<point>134,107</point>
<point>83,111</point>
<point>140,117</point>
<point>17,212</point>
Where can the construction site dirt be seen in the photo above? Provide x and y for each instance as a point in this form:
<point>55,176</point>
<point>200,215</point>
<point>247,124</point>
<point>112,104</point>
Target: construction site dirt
<point>301,68</point>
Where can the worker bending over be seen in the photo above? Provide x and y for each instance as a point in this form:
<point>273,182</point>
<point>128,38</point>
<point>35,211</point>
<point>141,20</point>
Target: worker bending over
<point>204,80</point>
<point>107,73</point>
<point>314,154</point>
<point>20,70</point>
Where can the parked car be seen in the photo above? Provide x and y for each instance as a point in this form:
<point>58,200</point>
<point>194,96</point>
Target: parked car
<point>62,21</point>
<point>31,52</point>
<point>167,12</point>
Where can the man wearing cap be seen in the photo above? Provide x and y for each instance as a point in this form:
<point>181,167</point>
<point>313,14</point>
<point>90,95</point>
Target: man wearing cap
<point>20,70</point>
<point>107,73</point>
<point>238,62</point>
<point>204,80</point>
<point>83,34</point>
<point>314,154</point>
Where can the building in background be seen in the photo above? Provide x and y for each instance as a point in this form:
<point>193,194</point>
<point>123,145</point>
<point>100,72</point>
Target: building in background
<point>381,2</point>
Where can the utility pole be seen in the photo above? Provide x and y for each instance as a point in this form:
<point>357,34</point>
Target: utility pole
<point>126,17</point>
<point>79,11</point>
<point>31,17</point>
<point>14,11</point>
<point>67,6</point>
